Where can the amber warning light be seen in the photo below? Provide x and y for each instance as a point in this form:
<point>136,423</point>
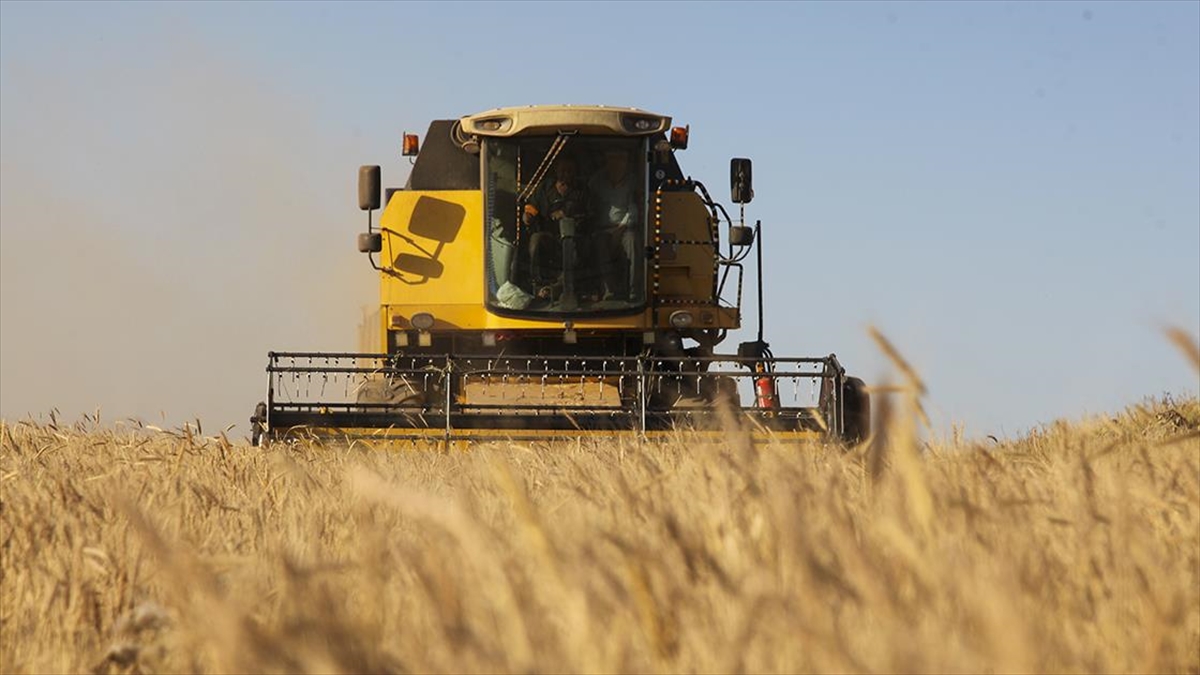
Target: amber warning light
<point>679,137</point>
<point>410,146</point>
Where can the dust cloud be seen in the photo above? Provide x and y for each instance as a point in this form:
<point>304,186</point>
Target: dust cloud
<point>164,222</point>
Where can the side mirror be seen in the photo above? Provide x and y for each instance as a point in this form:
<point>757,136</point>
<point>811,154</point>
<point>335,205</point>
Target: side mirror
<point>740,184</point>
<point>740,235</point>
<point>370,242</point>
<point>368,187</point>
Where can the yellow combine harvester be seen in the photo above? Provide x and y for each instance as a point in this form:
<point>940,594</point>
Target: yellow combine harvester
<point>549,272</point>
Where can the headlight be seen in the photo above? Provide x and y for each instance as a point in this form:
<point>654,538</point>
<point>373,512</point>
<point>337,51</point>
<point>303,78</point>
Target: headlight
<point>638,124</point>
<point>422,321</point>
<point>495,124</point>
<point>682,318</point>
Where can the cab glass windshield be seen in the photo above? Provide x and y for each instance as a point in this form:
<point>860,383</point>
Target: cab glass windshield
<point>566,224</point>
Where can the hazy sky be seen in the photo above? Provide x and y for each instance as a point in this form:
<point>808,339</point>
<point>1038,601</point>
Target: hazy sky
<point>1009,191</point>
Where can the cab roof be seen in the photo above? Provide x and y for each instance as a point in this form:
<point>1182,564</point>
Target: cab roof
<point>550,119</point>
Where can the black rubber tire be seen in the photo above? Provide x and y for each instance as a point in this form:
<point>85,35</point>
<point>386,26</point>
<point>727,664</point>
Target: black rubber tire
<point>856,404</point>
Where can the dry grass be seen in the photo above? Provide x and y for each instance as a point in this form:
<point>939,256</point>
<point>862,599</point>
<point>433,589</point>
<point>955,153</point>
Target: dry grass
<point>1075,549</point>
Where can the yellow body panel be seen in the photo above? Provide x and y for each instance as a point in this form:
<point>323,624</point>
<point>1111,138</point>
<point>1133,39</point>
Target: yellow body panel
<point>433,251</point>
<point>686,273</point>
<point>463,439</point>
<point>686,266</point>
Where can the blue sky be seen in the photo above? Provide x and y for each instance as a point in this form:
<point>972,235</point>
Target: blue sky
<point>1009,191</point>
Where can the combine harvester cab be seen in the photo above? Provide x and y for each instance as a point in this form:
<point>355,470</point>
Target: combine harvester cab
<point>549,272</point>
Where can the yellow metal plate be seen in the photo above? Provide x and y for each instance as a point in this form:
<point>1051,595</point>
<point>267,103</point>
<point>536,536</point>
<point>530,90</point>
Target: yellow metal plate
<point>463,438</point>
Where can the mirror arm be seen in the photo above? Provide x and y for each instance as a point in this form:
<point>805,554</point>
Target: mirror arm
<point>758,243</point>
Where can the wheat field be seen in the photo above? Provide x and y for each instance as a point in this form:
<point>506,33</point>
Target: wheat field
<point>1075,549</point>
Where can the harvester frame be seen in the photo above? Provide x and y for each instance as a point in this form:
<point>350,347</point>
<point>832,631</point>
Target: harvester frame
<point>520,300</point>
<point>303,396</point>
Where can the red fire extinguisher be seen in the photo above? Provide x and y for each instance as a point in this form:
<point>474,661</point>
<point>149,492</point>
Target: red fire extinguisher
<point>764,387</point>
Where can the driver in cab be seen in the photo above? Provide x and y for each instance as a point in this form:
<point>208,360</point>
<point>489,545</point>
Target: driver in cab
<point>557,212</point>
<point>616,197</point>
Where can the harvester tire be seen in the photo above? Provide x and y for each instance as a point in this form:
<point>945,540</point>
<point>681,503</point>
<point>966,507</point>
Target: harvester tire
<point>856,403</point>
